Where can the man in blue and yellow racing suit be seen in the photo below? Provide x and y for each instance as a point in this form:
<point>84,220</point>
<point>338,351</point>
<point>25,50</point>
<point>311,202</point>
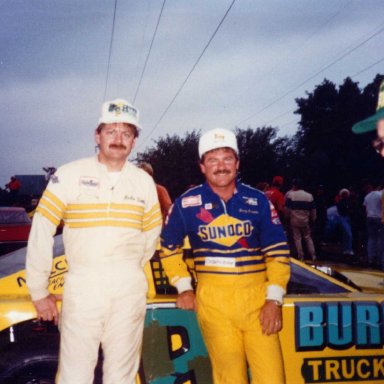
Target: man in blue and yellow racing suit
<point>241,261</point>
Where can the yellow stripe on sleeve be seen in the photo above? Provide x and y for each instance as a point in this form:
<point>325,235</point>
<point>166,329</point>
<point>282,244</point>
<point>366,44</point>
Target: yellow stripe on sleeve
<point>47,205</point>
<point>47,214</point>
<point>55,200</point>
<point>281,252</point>
<point>283,243</point>
<point>153,225</point>
<point>152,211</point>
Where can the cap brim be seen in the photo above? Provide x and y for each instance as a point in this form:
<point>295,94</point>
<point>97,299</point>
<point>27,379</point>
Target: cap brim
<point>124,121</point>
<point>368,124</point>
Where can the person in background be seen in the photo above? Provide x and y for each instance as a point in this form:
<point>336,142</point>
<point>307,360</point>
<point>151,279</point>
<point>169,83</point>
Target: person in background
<point>262,186</point>
<point>343,209</point>
<point>301,215</point>
<point>162,193</point>
<point>112,224</point>
<point>321,217</point>
<point>276,197</point>
<point>242,264</point>
<point>358,223</point>
<point>375,227</point>
<point>13,188</point>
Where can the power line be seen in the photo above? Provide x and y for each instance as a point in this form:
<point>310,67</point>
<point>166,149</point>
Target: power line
<point>314,75</point>
<point>110,51</point>
<point>367,68</point>
<point>190,73</point>
<point>328,21</point>
<point>149,52</point>
<point>353,76</point>
<point>278,117</point>
<point>303,43</point>
<point>141,45</point>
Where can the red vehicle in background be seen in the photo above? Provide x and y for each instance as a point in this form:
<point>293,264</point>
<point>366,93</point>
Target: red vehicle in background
<point>15,225</point>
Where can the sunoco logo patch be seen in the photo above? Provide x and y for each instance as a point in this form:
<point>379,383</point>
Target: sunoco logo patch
<point>225,230</point>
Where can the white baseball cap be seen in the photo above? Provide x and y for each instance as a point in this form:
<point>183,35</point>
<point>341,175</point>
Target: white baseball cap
<point>119,111</point>
<point>217,138</point>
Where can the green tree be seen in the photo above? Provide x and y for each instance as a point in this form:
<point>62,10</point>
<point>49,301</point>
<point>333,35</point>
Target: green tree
<point>263,154</point>
<point>328,151</point>
<point>175,162</point>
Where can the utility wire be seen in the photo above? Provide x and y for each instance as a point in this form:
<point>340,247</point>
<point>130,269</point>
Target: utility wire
<point>299,49</point>
<point>149,52</point>
<point>342,8</point>
<point>189,74</point>
<point>314,75</point>
<point>141,46</point>
<point>367,68</point>
<point>278,117</point>
<point>353,76</point>
<point>110,51</point>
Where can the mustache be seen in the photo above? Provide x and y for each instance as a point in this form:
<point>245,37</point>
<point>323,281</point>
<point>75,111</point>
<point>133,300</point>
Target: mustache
<point>221,172</point>
<point>117,146</point>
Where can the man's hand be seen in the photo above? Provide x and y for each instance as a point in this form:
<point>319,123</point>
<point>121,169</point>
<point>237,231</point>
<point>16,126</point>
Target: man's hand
<point>186,300</point>
<point>46,309</point>
<point>271,317</point>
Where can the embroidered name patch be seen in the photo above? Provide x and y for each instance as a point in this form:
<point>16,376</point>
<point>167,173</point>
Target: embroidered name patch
<point>224,262</point>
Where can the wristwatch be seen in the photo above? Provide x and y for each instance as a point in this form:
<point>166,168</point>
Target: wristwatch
<point>277,302</point>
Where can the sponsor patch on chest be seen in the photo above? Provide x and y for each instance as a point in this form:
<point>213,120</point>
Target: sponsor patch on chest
<point>191,201</point>
<point>225,230</point>
<point>89,183</point>
<point>251,201</point>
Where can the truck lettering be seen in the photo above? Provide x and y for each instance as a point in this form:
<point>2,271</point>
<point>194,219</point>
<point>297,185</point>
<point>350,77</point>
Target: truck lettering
<point>342,369</point>
<point>338,325</point>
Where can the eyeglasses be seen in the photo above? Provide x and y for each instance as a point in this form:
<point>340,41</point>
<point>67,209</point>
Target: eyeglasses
<point>113,132</point>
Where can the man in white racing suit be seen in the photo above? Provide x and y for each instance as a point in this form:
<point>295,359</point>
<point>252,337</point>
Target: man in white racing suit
<point>112,222</point>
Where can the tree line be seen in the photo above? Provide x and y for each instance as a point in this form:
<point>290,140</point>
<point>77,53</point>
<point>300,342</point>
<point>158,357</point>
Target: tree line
<point>323,151</point>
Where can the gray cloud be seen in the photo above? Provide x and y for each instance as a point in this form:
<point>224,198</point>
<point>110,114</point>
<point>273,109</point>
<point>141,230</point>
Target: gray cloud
<point>54,55</point>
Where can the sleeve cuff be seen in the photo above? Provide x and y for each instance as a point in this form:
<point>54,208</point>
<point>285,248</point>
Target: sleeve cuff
<point>275,292</point>
<point>38,294</point>
<point>183,284</point>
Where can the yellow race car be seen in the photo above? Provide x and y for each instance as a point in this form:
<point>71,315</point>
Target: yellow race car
<point>333,328</point>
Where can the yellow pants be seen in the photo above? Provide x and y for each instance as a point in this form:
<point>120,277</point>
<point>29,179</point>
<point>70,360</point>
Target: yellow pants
<point>104,307</point>
<point>229,321</point>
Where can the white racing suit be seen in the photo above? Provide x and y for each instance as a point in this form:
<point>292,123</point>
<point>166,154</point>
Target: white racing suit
<point>110,232</point>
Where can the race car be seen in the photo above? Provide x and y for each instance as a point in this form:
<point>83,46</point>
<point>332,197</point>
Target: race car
<point>333,328</point>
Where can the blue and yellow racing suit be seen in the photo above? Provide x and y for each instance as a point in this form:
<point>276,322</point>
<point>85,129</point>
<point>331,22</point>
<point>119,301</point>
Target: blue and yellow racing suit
<point>241,258</point>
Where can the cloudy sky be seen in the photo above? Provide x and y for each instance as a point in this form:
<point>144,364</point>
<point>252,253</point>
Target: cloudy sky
<point>55,55</point>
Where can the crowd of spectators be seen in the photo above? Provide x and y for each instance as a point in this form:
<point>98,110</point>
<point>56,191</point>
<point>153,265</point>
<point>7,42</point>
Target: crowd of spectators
<point>346,225</point>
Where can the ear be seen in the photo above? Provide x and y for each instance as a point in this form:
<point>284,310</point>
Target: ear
<point>134,143</point>
<point>97,137</point>
<point>202,168</point>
